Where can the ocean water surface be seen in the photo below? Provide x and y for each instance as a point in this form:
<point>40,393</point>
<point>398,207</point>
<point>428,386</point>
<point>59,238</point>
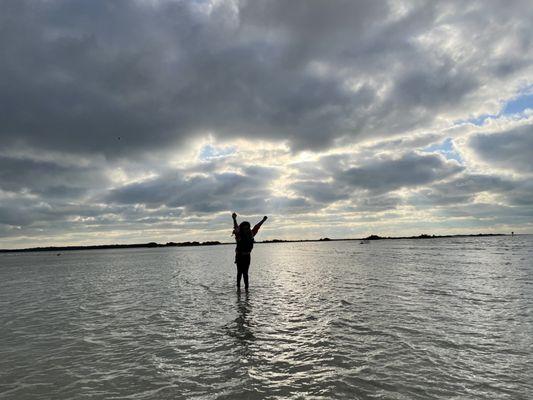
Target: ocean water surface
<point>395,319</point>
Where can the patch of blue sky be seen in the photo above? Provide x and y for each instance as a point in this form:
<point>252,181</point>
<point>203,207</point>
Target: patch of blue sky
<point>446,148</point>
<point>513,107</point>
<point>209,152</point>
<point>519,104</point>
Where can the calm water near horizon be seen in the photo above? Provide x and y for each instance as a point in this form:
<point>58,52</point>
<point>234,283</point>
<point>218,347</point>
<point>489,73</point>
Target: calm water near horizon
<point>397,319</point>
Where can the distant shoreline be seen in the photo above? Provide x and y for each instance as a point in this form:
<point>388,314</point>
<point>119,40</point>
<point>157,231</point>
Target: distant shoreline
<point>217,243</point>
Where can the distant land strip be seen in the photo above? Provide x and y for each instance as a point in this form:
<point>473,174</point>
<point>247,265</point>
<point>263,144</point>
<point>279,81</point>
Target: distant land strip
<point>217,243</point>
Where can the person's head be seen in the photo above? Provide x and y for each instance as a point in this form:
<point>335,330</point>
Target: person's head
<point>244,227</point>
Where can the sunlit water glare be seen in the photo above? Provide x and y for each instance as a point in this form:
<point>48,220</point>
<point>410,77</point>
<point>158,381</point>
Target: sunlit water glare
<point>399,319</point>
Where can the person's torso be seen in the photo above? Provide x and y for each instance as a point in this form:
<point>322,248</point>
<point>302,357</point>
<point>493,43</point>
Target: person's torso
<point>245,244</point>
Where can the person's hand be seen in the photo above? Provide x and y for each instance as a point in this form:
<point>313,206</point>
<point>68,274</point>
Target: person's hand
<point>234,215</point>
<point>265,218</point>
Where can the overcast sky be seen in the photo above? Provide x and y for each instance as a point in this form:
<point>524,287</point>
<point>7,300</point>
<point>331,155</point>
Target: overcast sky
<point>152,120</point>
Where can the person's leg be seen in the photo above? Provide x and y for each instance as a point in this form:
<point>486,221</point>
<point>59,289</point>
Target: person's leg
<point>245,267</point>
<point>245,276</point>
<point>239,274</point>
<point>238,261</point>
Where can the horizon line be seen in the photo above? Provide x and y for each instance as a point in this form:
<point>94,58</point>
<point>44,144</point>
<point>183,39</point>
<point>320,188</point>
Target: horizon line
<point>217,243</point>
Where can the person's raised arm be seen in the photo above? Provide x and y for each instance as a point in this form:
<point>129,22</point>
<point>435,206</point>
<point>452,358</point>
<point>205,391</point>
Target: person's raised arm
<point>235,225</point>
<point>258,225</point>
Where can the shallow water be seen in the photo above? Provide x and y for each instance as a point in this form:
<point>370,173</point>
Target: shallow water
<point>401,319</point>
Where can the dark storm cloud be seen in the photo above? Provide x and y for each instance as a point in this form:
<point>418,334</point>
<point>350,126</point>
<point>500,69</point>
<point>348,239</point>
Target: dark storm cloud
<point>129,76</point>
<point>511,149</point>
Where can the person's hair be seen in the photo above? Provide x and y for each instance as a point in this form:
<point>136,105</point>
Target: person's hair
<point>245,239</point>
<point>244,226</point>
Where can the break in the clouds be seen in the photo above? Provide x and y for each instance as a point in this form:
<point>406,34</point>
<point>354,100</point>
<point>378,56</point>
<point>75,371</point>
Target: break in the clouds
<point>152,119</point>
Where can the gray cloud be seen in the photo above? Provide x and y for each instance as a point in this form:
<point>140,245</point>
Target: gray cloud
<point>199,193</point>
<point>369,186</point>
<point>410,170</point>
<point>374,204</point>
<point>489,214</point>
<point>321,192</point>
<point>464,188</point>
<point>48,178</point>
<point>25,211</point>
<point>77,76</point>
<point>511,149</point>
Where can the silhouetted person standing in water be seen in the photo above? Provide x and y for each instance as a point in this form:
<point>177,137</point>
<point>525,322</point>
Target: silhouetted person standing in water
<point>244,237</point>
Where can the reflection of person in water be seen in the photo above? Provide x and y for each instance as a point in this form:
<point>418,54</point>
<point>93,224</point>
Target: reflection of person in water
<point>244,237</point>
<point>242,324</point>
<point>240,329</point>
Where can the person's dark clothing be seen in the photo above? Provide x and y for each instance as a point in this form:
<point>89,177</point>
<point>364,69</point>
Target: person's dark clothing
<point>243,263</point>
<point>245,244</point>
